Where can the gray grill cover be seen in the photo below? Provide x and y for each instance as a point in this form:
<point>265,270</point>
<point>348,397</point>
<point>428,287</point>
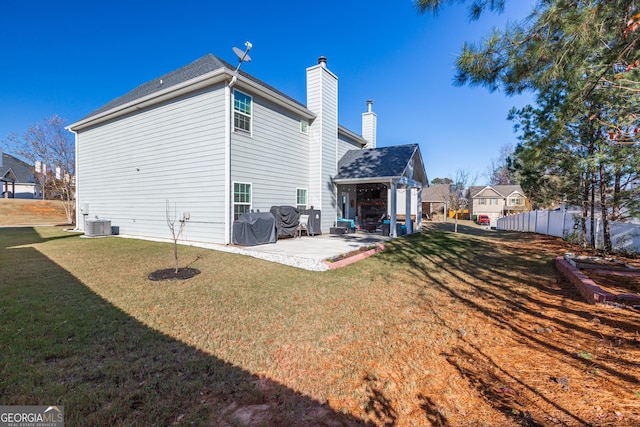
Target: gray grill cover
<point>287,219</point>
<point>253,229</point>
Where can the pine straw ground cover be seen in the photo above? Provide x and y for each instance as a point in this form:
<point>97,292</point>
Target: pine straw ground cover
<point>441,329</point>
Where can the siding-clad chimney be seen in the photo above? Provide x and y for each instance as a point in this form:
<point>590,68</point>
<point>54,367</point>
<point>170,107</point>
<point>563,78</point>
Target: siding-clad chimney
<point>369,123</point>
<point>322,99</point>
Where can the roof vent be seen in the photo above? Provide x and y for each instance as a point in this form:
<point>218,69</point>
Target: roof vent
<point>322,61</point>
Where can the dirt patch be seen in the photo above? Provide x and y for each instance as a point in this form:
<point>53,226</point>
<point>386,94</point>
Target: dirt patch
<point>31,212</point>
<point>172,274</point>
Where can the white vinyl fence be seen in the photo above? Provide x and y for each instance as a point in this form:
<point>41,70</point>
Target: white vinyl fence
<point>565,224</point>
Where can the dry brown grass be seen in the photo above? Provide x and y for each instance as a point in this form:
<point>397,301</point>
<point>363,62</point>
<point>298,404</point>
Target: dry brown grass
<point>441,329</point>
<point>31,212</point>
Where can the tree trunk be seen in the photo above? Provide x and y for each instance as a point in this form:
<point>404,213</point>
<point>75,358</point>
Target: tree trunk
<point>592,209</point>
<point>603,209</point>
<point>585,209</point>
<point>615,203</point>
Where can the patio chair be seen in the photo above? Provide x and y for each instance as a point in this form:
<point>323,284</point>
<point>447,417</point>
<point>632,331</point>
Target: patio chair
<point>302,225</point>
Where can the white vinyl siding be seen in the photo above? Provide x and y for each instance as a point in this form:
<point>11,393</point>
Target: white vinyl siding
<point>345,144</point>
<point>274,159</point>
<point>322,99</point>
<point>129,168</point>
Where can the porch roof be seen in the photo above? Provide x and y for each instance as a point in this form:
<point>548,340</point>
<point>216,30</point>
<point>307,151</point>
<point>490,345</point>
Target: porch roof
<point>381,165</point>
<point>13,169</point>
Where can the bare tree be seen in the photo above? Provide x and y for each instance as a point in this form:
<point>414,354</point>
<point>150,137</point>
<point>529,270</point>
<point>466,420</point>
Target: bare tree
<point>498,171</point>
<point>51,150</point>
<point>457,199</point>
<point>176,226</point>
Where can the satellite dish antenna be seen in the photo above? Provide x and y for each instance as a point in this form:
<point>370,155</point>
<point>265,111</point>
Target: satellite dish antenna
<point>243,56</point>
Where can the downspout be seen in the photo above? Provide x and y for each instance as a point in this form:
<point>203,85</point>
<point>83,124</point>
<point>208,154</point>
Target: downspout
<point>227,164</point>
<point>419,209</point>
<point>76,186</point>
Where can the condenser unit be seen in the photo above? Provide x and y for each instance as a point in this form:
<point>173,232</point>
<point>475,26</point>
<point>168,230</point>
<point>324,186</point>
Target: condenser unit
<point>97,227</point>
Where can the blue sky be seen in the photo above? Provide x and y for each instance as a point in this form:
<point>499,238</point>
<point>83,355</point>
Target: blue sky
<point>71,57</point>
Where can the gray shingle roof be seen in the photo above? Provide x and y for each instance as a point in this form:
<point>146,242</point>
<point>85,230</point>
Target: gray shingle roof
<point>199,67</point>
<point>375,162</point>
<point>436,193</point>
<point>503,190</point>
<point>22,170</point>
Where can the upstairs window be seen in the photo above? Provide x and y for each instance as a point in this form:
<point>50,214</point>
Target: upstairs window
<point>304,126</point>
<point>241,112</point>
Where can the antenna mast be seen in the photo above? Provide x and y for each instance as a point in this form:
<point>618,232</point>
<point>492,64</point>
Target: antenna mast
<point>243,56</point>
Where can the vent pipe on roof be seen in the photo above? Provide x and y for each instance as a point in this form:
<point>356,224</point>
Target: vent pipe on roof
<point>369,105</point>
<point>322,61</point>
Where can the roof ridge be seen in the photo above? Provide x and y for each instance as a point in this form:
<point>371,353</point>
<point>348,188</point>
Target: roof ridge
<point>200,66</point>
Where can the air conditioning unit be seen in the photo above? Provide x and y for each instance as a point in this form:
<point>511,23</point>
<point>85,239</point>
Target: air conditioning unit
<point>97,227</point>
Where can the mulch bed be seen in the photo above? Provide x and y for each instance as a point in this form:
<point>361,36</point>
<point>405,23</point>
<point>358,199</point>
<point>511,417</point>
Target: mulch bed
<point>171,274</point>
<point>616,282</point>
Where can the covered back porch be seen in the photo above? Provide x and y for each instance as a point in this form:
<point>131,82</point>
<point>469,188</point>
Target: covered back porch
<point>381,189</point>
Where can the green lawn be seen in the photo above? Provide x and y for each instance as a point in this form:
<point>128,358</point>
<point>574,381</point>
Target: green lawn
<point>425,332</point>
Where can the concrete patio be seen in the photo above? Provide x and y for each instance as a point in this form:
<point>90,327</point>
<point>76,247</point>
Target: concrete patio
<point>307,252</point>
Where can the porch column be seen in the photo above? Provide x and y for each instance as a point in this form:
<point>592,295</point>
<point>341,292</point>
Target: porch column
<point>392,202</point>
<point>419,209</point>
<point>407,210</point>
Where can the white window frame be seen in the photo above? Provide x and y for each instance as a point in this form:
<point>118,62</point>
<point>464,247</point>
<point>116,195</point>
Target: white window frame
<point>306,198</point>
<point>304,127</point>
<point>237,112</point>
<point>242,203</point>
<point>482,201</point>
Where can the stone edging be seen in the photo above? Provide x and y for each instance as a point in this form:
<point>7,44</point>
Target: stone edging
<point>588,288</point>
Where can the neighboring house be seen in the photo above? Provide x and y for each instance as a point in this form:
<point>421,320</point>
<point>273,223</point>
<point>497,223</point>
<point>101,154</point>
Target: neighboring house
<point>435,199</point>
<point>215,148</point>
<point>17,179</point>
<point>496,201</point>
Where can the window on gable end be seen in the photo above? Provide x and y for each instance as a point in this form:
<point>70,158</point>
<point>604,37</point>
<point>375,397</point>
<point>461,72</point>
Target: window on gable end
<point>242,106</point>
